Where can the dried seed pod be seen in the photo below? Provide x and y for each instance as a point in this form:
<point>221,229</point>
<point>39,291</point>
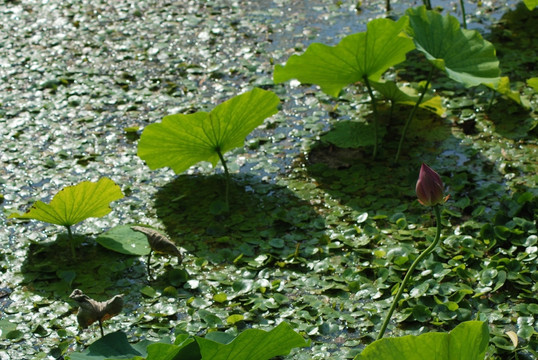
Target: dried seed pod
<point>158,242</point>
<point>90,311</point>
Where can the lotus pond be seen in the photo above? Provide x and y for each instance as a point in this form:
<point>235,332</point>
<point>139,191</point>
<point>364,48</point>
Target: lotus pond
<point>315,232</point>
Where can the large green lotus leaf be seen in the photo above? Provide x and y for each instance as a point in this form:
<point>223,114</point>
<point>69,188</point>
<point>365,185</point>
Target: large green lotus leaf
<point>124,240</point>
<point>112,346</point>
<point>368,53</point>
<point>76,203</point>
<point>531,4</point>
<point>181,141</point>
<point>408,96</point>
<point>253,344</point>
<point>467,341</point>
<point>463,54</point>
<point>503,87</point>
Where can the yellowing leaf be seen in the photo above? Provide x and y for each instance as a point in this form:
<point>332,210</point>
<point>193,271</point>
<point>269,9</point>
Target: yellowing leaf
<point>75,203</point>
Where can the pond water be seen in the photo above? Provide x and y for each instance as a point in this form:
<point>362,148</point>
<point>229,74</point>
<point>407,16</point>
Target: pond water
<point>75,75</point>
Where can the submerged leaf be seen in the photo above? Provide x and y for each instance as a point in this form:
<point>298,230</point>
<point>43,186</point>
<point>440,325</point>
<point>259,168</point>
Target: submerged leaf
<point>76,203</point>
<point>181,141</point>
<point>463,54</point>
<point>368,53</point>
<point>91,311</point>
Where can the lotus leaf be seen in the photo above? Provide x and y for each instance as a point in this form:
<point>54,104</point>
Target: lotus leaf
<point>467,341</point>
<point>368,54</point>
<point>181,141</point>
<point>76,203</point>
<point>463,54</point>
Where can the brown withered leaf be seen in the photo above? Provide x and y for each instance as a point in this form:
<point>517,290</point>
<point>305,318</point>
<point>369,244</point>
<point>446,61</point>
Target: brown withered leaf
<point>158,242</point>
<point>90,311</point>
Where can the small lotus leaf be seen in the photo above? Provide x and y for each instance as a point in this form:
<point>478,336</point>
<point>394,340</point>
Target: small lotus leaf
<point>368,53</point>
<point>124,240</point>
<point>463,54</point>
<point>181,141</point>
<point>76,203</point>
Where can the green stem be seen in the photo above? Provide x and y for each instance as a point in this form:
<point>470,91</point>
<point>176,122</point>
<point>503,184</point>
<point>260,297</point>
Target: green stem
<point>71,241</point>
<point>463,14</point>
<point>490,104</point>
<point>374,109</point>
<point>227,174</point>
<point>425,253</point>
<point>387,5</point>
<point>412,114</point>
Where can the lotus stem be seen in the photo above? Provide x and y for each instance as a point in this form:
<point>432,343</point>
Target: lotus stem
<point>464,21</point>
<point>428,4</point>
<point>374,109</point>
<point>429,249</point>
<point>147,265</point>
<point>71,241</point>
<point>387,5</point>
<point>227,175</point>
<point>101,327</point>
<point>412,114</point>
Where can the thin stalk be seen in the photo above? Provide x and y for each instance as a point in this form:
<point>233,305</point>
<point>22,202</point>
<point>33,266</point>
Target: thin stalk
<point>71,241</point>
<point>490,104</point>
<point>412,114</point>
<point>387,5</point>
<point>101,327</point>
<point>425,253</point>
<point>464,21</point>
<point>148,263</point>
<point>374,109</point>
<point>428,4</point>
<point>227,174</point>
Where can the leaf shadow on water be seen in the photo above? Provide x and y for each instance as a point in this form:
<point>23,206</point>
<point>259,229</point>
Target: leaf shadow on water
<point>263,218</point>
<point>49,268</point>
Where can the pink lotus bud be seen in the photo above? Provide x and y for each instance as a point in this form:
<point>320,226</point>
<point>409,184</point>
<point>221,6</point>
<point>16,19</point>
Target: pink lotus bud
<point>429,187</point>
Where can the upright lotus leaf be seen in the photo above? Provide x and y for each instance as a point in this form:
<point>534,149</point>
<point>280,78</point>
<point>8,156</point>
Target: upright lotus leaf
<point>368,54</point>
<point>90,311</point>
<point>391,91</point>
<point>76,203</point>
<point>467,341</point>
<point>181,141</point>
<point>254,344</point>
<point>463,54</point>
<point>531,4</point>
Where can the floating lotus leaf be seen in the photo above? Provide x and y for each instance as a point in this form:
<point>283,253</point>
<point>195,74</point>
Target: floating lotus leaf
<point>181,141</point>
<point>463,54</point>
<point>76,203</point>
<point>368,53</point>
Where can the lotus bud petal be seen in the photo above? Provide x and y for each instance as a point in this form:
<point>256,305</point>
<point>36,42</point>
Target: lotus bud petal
<point>429,187</point>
